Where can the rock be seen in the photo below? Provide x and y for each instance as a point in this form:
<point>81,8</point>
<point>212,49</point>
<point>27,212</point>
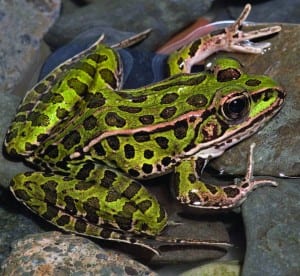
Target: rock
<point>277,148</point>
<point>8,168</point>
<point>164,17</point>
<point>287,13</point>
<point>216,269</point>
<point>53,253</point>
<point>20,37</point>
<point>272,221</point>
<point>14,223</point>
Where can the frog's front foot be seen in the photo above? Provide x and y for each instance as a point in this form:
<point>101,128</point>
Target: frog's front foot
<point>195,193</point>
<point>238,40</point>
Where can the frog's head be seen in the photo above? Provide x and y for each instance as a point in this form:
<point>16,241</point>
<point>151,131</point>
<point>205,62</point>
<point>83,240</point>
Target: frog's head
<point>241,106</point>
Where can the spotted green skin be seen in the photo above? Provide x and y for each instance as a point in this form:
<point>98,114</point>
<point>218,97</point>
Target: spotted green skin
<point>91,141</point>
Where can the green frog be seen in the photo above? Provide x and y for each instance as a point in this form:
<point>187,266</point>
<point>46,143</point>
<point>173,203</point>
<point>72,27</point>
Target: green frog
<point>92,142</point>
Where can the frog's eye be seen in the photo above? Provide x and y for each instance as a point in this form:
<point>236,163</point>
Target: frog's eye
<point>236,107</point>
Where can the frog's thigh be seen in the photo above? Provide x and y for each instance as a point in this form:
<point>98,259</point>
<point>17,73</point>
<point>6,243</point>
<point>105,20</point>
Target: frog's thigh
<point>111,199</point>
<point>195,193</point>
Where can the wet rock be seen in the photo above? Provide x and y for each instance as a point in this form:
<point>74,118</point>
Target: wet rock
<point>8,168</point>
<point>20,37</point>
<point>272,221</point>
<point>53,253</point>
<point>14,223</point>
<point>216,269</point>
<point>288,13</point>
<point>277,148</point>
<point>164,17</point>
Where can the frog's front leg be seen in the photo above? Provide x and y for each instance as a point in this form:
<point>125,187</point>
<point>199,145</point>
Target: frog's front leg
<point>230,39</point>
<point>195,193</point>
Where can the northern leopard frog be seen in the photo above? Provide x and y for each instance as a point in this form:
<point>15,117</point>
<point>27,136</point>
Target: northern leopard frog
<point>91,141</point>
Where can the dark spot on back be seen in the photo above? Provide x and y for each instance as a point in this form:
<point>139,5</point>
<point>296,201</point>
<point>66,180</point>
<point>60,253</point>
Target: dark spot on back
<point>129,151</point>
<point>162,142</point>
<point>228,75</point>
<point>90,123</point>
<point>71,139</point>
<point>197,100</point>
<point>113,142</point>
<point>113,119</point>
<point>169,98</point>
<point>146,119</point>
<point>168,112</point>
<point>130,109</point>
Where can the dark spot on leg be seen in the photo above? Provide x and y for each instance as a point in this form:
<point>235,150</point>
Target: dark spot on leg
<point>147,168</point>
<point>211,188</point>
<point>40,88</point>
<point>144,205</point>
<point>61,113</point>
<point>70,207</point>
<point>112,196</point>
<point>108,179</point>
<point>63,220</point>
<point>132,189</point>
<point>38,119</point>
<point>133,172</point>
<point>80,226</point>
<point>51,151</point>
<point>192,178</point>
<point>51,213</point>
<point>166,161</point>
<point>50,192</point>
<point>231,192</point>
<point>85,171</point>
<point>141,136</point>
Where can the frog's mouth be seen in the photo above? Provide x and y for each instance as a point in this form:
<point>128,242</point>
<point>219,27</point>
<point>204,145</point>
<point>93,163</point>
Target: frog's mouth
<point>251,125</point>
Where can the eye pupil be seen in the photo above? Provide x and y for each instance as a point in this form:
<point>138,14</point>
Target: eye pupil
<point>236,108</point>
<point>237,105</point>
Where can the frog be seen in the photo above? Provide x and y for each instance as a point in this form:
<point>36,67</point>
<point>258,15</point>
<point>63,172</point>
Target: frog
<point>92,142</point>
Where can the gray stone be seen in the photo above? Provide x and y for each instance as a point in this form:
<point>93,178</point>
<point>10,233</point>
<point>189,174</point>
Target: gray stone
<point>53,253</point>
<point>8,168</point>
<point>164,17</point>
<point>272,222</point>
<point>20,37</point>
<point>277,148</point>
<point>14,223</point>
<point>270,11</point>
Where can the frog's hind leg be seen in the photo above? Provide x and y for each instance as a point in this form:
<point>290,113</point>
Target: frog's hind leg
<point>193,192</point>
<point>106,205</point>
